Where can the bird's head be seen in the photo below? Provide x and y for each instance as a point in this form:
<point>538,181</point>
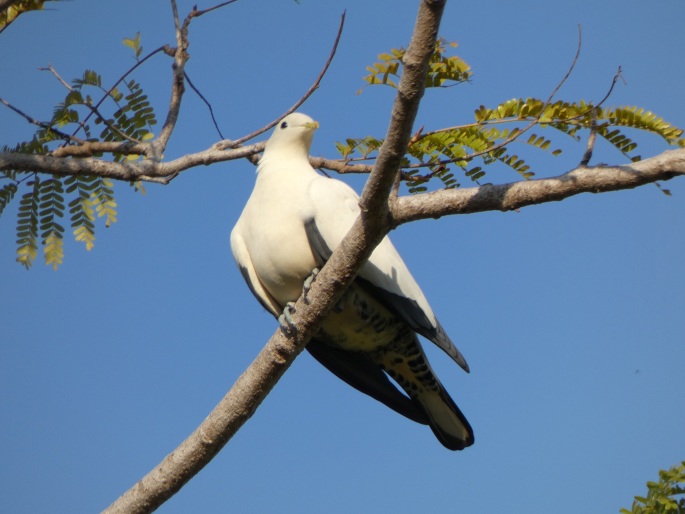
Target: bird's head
<point>292,136</point>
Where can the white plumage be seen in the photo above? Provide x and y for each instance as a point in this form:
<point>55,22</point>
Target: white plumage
<point>290,225</point>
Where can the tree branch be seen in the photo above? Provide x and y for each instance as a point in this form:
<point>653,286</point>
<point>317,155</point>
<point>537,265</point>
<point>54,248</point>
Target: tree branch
<point>339,166</point>
<point>165,48</point>
<point>209,105</point>
<point>152,170</point>
<point>377,218</point>
<point>254,385</point>
<point>181,57</point>
<point>146,170</point>
<point>507,197</point>
<point>95,147</point>
<point>309,92</point>
<point>40,124</point>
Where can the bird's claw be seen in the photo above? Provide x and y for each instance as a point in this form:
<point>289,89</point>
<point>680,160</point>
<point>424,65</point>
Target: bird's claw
<point>285,320</point>
<point>308,284</point>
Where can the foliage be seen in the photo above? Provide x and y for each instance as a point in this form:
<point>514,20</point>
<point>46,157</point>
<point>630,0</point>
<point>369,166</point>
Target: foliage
<point>17,8</point>
<point>134,44</point>
<point>443,71</point>
<point>436,158</point>
<point>488,139</point>
<point>665,496</point>
<point>45,198</point>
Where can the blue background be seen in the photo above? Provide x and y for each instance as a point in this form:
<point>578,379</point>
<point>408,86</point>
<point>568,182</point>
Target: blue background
<point>570,314</point>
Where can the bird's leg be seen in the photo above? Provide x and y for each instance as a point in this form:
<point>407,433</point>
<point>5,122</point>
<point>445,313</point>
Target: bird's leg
<point>308,284</point>
<point>285,320</point>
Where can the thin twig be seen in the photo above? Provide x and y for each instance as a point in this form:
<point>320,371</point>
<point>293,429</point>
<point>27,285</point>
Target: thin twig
<point>177,84</point>
<point>209,106</point>
<point>512,119</point>
<point>41,124</point>
<point>571,68</point>
<point>182,42</point>
<point>195,13</point>
<point>93,109</point>
<point>218,6</point>
<point>619,74</point>
<point>535,120</point>
<point>177,22</point>
<point>309,92</point>
<point>164,48</point>
<point>106,122</point>
<point>346,168</point>
<point>339,166</point>
<point>590,142</point>
<point>57,76</point>
<point>64,135</point>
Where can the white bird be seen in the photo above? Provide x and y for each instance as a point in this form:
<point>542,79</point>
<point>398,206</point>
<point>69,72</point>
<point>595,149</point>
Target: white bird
<point>289,227</point>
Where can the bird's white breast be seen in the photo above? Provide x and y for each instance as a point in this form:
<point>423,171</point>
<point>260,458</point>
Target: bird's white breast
<point>277,242</point>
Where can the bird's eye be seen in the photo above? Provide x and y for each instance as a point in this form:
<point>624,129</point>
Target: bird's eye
<point>284,124</point>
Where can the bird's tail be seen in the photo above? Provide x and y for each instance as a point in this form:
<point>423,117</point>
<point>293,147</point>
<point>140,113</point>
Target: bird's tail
<point>445,419</point>
<point>412,371</point>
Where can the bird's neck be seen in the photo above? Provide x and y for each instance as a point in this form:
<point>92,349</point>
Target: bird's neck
<point>283,161</point>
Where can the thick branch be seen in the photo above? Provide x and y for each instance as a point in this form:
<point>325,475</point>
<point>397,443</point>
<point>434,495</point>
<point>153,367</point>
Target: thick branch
<point>506,197</point>
<point>177,84</point>
<point>409,94</point>
<point>152,170</point>
<point>253,386</point>
<point>60,161</point>
<point>95,147</point>
<point>146,170</point>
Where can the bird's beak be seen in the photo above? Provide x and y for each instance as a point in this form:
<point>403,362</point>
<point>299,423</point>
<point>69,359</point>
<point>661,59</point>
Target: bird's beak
<point>312,125</point>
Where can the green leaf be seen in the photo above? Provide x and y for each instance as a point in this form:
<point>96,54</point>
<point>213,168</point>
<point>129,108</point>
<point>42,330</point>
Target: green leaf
<point>364,147</point>
<point>54,249</point>
<point>27,225</point>
<point>18,7</point>
<point>666,495</point>
<point>51,205</point>
<point>102,198</point>
<point>81,210</point>
<point>6,194</point>
<point>135,45</point>
<point>126,114</point>
<point>443,70</point>
<point>134,119</point>
<point>89,78</point>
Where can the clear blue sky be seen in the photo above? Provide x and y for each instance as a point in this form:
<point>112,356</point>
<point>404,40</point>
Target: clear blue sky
<point>570,314</point>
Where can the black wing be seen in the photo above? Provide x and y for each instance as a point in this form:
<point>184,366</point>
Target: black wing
<point>367,377</point>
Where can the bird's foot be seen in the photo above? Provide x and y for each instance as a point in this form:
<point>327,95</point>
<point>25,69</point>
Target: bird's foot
<point>285,320</point>
<point>308,284</point>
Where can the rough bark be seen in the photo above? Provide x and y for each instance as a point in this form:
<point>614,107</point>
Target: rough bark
<point>506,197</point>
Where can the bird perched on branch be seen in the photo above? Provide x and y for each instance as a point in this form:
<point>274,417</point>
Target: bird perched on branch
<point>289,227</point>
